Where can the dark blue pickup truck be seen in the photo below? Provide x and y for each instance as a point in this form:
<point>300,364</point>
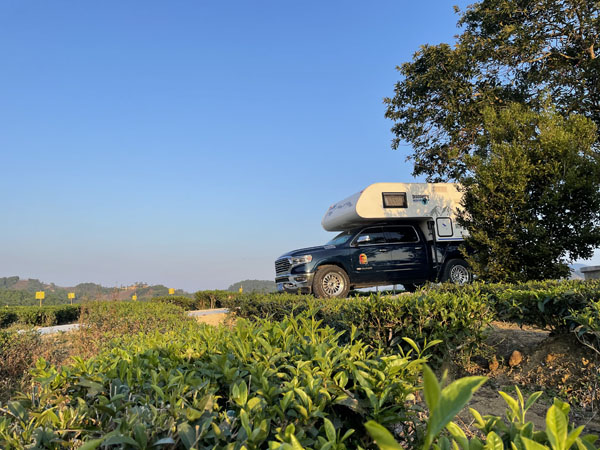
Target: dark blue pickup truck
<point>375,254</point>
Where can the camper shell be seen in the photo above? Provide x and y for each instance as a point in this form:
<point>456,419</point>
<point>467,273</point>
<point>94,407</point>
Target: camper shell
<point>394,202</point>
<point>391,233</point>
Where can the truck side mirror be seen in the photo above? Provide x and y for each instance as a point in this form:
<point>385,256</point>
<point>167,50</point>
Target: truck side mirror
<point>363,239</point>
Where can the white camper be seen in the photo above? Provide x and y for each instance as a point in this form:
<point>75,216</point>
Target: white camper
<point>435,204</point>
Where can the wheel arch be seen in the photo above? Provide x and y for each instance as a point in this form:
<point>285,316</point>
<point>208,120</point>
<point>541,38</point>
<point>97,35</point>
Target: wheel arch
<point>332,263</point>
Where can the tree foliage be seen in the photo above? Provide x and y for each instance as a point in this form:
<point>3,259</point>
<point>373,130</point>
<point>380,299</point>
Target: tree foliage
<point>531,199</point>
<point>509,51</point>
<point>512,111</point>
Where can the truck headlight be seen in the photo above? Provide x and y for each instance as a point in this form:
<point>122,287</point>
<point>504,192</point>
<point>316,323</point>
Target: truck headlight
<point>301,259</point>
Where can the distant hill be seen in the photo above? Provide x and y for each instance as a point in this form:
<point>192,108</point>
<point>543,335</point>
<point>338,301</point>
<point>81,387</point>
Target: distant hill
<point>576,271</point>
<point>254,286</point>
<point>17,291</point>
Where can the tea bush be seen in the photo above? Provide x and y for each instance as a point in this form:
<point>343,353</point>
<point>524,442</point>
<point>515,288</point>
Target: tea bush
<point>539,303</point>
<point>458,320</point>
<point>119,318</point>
<point>186,303</point>
<point>258,385</point>
<point>201,300</point>
<point>588,325</point>
<point>39,316</point>
<point>215,299</point>
<point>16,356</point>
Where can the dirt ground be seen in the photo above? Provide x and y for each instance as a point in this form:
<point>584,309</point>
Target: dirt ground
<point>212,319</point>
<point>534,360</point>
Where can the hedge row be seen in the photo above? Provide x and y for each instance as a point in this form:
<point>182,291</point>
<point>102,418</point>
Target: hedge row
<point>539,303</point>
<point>39,316</point>
<point>458,320</point>
<point>201,300</point>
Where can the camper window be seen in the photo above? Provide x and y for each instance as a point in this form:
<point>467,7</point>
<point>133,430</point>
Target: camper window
<point>394,200</point>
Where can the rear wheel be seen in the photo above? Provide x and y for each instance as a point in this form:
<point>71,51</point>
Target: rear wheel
<point>457,271</point>
<point>331,282</point>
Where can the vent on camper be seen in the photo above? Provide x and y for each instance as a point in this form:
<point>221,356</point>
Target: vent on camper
<point>394,200</point>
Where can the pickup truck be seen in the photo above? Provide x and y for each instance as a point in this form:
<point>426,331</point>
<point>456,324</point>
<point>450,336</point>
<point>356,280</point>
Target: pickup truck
<point>374,254</point>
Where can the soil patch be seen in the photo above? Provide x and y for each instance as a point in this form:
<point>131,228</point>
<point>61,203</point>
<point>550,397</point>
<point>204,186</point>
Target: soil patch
<point>534,360</point>
<point>213,319</point>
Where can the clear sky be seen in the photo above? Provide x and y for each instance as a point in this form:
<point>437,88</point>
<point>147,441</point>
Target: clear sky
<point>191,143</point>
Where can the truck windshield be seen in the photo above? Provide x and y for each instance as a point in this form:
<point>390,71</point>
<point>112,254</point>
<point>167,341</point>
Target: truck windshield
<point>340,238</point>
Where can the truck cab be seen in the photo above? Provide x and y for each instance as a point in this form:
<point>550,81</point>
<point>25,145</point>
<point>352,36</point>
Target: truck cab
<point>377,250</point>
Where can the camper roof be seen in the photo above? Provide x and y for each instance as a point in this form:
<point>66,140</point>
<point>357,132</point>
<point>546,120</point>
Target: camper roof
<point>385,201</point>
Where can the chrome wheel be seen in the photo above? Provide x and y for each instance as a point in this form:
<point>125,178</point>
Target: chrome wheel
<point>459,274</point>
<point>333,284</point>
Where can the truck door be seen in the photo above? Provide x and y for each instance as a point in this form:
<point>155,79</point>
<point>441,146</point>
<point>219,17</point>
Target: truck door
<point>408,253</point>
<point>370,256</point>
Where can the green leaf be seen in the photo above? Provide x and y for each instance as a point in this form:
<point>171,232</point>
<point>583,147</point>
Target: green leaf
<point>458,435</point>
<point>118,439</point>
<point>475,444</point>
<point>512,404</point>
<point>329,429</point>
<point>493,442</point>
<point>187,434</point>
<point>532,399</point>
<point>164,441</point>
<point>477,416</point>
<point>532,445</point>
<point>556,427</point>
<point>382,437</point>
<point>91,445</point>
<point>573,435</point>
<point>431,388</point>
<point>454,397</point>
<point>413,344</point>
<point>295,444</point>
<point>139,431</point>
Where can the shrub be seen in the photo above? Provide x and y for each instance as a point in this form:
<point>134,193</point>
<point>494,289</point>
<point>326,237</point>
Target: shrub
<point>588,325</point>
<point>540,303</point>
<point>119,318</point>
<point>7,317</point>
<point>259,385</point>
<point>16,356</point>
<point>39,316</point>
<point>214,299</point>
<point>458,320</point>
<point>185,303</point>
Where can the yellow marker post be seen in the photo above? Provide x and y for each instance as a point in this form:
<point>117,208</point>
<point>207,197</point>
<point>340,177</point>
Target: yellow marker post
<point>134,297</point>
<point>171,291</point>
<point>71,296</point>
<point>39,295</point>
<point>241,289</point>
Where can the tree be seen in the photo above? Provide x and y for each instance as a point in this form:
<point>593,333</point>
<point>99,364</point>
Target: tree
<point>509,51</point>
<point>512,111</point>
<point>531,197</point>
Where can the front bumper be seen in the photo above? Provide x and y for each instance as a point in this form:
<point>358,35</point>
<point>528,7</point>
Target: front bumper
<point>297,283</point>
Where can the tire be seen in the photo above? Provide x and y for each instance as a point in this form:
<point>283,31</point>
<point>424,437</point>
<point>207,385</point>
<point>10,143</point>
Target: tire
<point>457,271</point>
<point>331,282</point>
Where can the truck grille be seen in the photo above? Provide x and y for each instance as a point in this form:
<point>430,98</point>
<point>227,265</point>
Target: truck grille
<point>282,266</point>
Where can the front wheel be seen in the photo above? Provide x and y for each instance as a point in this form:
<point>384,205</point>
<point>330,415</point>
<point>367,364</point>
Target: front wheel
<point>457,271</point>
<point>331,282</point>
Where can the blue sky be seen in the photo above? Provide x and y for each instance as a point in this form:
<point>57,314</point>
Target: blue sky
<point>191,143</point>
